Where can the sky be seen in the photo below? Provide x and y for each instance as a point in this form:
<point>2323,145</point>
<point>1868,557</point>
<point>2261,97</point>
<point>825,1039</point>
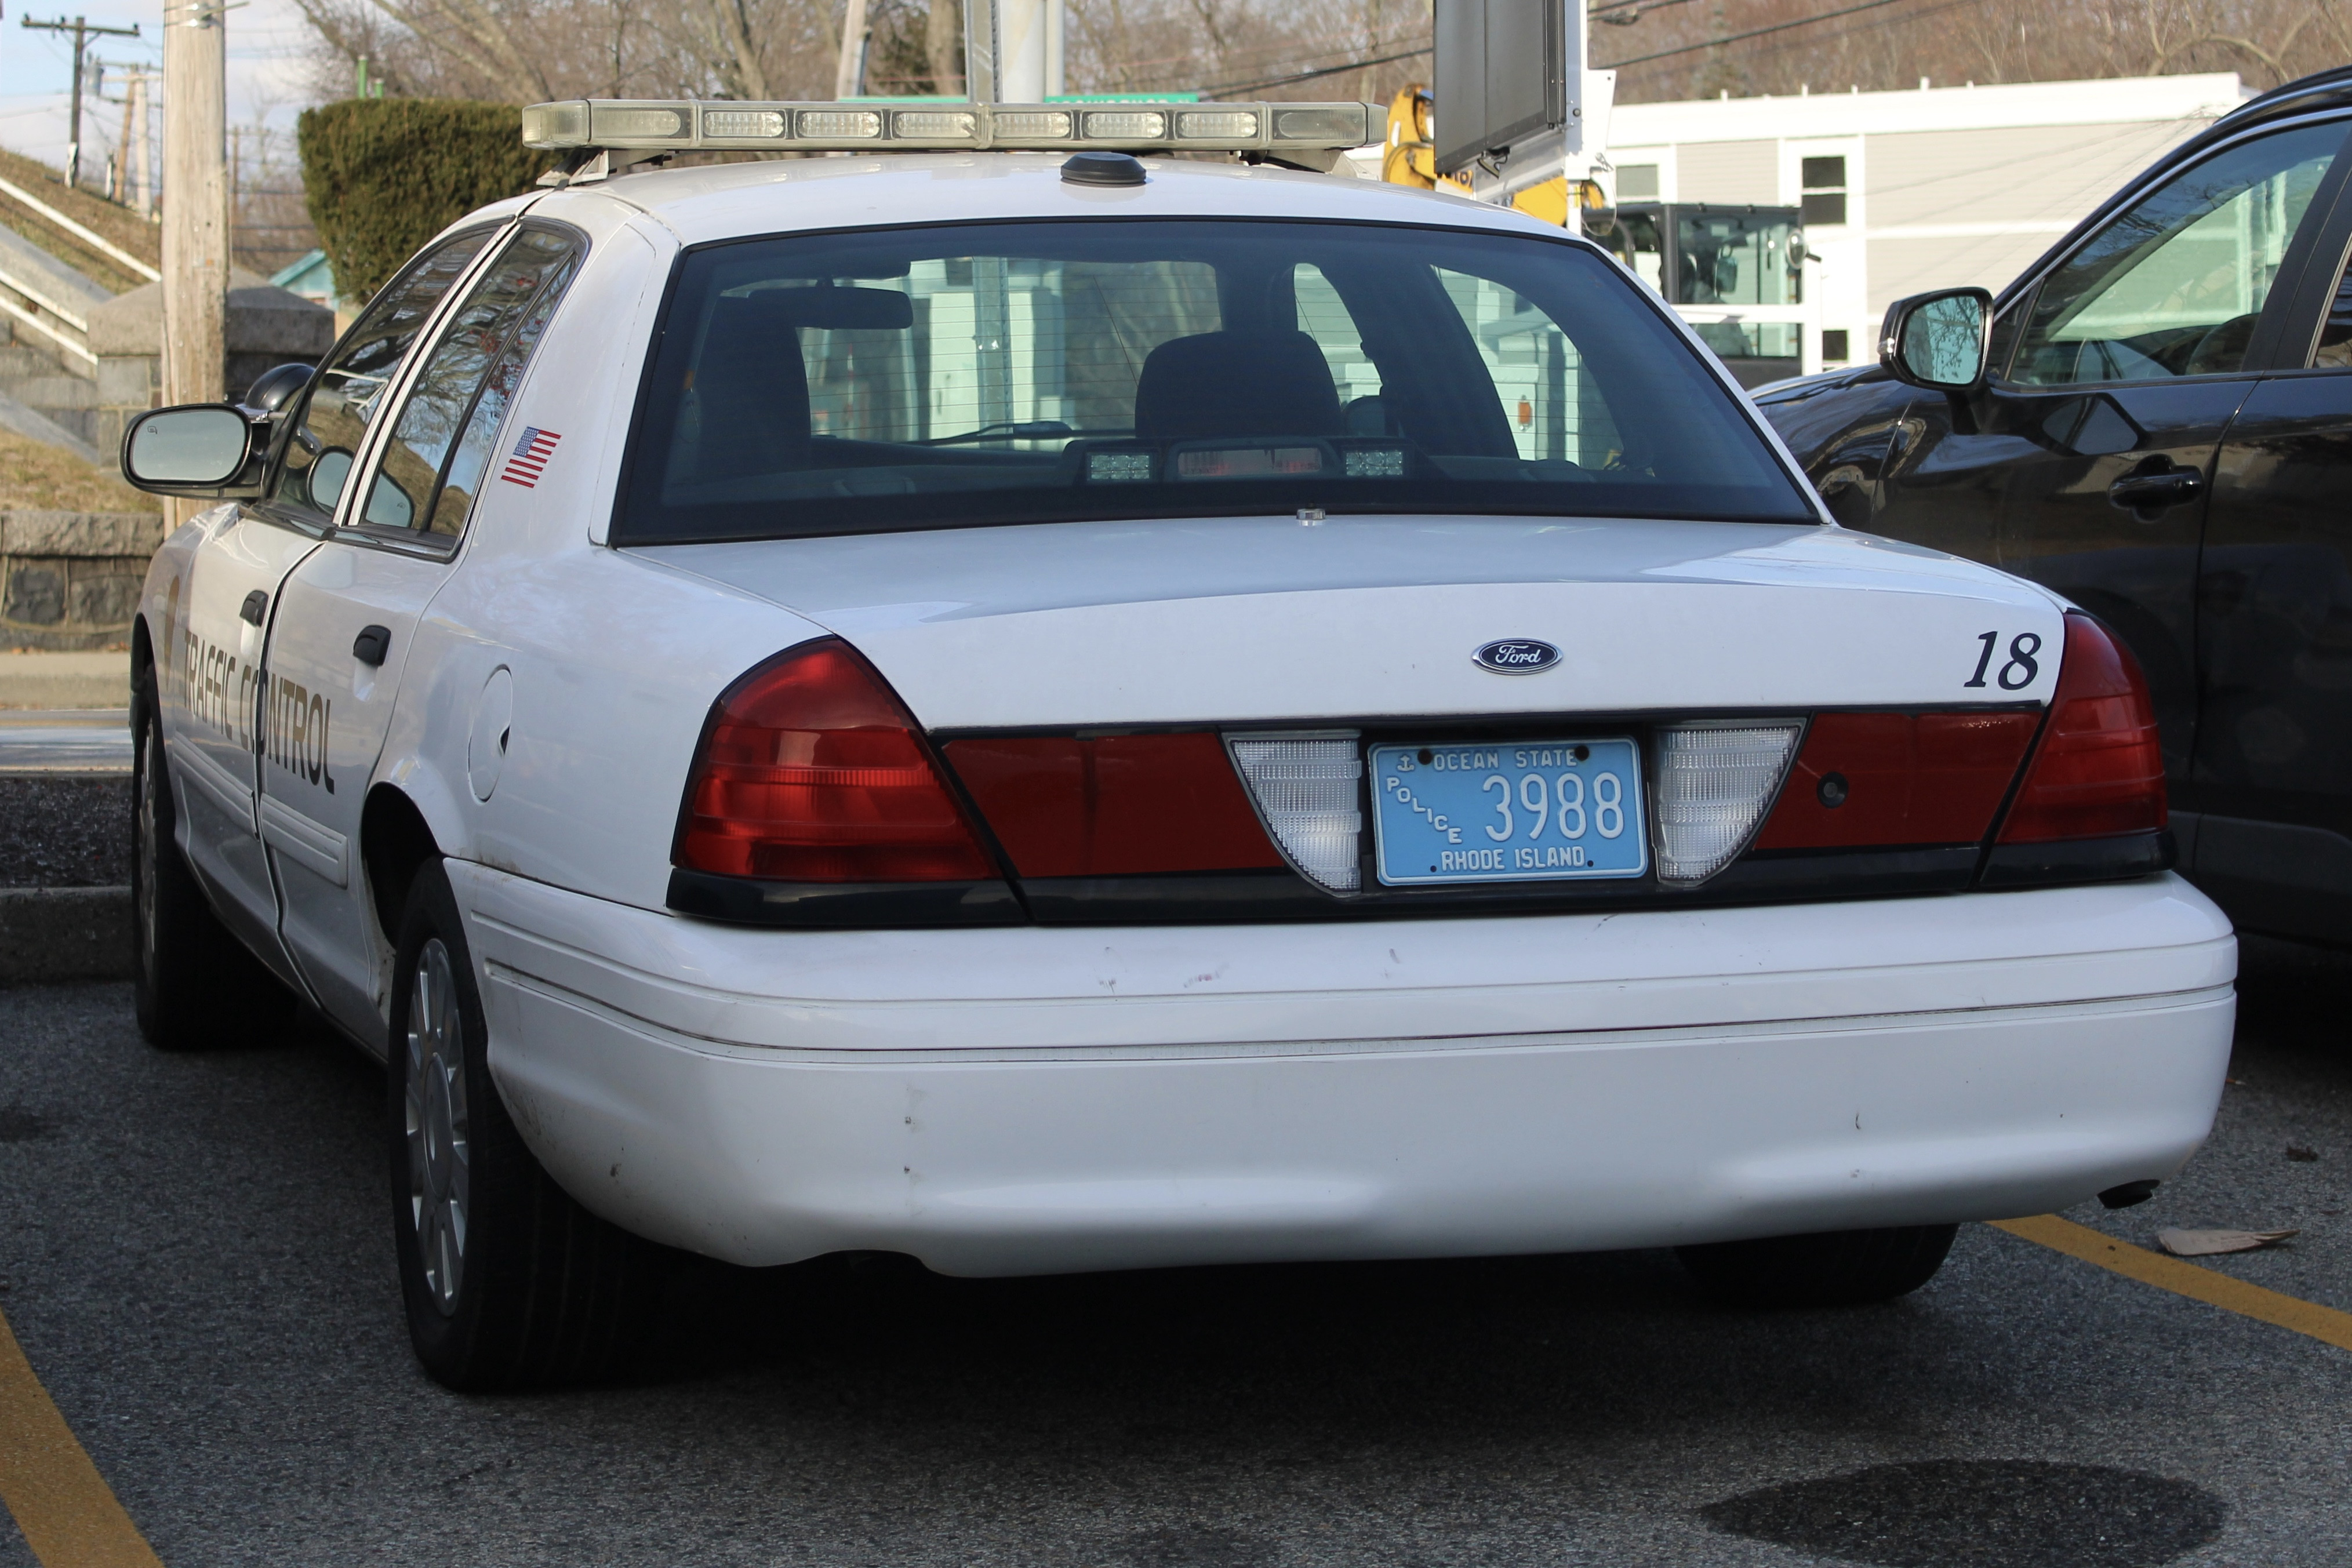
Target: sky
<point>265,72</point>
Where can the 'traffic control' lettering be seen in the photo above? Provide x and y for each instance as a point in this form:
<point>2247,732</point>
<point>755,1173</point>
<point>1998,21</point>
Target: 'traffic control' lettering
<point>299,723</point>
<point>219,689</point>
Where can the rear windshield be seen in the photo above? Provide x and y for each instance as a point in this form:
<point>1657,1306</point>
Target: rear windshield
<point>1037,372</point>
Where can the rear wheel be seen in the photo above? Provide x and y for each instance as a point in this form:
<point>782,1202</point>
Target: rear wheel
<point>507,1281</point>
<point>1836,1269</point>
<point>193,985</point>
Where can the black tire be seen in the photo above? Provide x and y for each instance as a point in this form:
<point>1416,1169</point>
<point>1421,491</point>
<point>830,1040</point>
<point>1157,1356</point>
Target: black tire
<point>508,1282</point>
<point>193,985</point>
<point>1837,1268</point>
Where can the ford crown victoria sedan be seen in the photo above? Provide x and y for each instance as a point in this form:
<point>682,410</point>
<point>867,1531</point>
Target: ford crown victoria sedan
<point>1050,714</point>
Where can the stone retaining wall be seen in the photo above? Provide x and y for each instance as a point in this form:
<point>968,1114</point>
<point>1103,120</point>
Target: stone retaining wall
<point>71,580</point>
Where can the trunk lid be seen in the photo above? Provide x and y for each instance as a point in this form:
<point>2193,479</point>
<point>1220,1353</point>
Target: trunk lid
<point>1257,620</point>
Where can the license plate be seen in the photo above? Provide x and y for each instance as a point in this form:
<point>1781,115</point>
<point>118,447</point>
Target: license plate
<point>1518,810</point>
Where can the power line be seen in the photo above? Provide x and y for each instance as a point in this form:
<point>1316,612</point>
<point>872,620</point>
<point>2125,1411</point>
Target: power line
<point>1751,33</point>
<point>1309,76</point>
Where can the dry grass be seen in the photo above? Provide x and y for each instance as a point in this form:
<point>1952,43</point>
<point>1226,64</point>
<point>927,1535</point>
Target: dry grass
<point>117,223</point>
<point>38,479</point>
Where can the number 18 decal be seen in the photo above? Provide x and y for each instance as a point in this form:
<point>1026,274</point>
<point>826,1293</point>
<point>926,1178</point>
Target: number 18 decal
<point>2020,671</point>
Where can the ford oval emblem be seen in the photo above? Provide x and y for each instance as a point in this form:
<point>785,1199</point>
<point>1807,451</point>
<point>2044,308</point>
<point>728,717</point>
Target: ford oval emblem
<point>1517,656</point>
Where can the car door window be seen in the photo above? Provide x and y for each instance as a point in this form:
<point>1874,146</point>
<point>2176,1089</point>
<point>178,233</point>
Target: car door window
<point>2173,284</point>
<point>433,466</point>
<point>333,417</point>
<point>2333,352</point>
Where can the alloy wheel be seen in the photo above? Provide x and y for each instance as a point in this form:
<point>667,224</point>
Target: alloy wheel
<point>439,1146</point>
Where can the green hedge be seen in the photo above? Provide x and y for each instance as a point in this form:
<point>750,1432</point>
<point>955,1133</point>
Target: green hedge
<point>384,175</point>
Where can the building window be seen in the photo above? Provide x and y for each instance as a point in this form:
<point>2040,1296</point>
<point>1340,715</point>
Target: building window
<point>1833,344</point>
<point>1637,183</point>
<point>1824,180</point>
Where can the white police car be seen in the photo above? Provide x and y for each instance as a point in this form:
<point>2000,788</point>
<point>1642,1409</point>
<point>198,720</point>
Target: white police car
<point>1052,714</point>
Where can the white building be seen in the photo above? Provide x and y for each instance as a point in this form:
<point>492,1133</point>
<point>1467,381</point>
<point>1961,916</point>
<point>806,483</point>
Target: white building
<point>1908,191</point>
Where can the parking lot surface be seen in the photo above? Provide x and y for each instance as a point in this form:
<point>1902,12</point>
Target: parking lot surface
<point>195,1259</point>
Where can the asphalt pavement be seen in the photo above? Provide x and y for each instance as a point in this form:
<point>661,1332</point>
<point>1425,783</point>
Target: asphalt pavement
<point>197,1264</point>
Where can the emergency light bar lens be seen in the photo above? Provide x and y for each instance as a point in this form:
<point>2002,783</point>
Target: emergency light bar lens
<point>675,124</point>
<point>638,121</point>
<point>1205,123</point>
<point>1148,126</point>
<point>1026,123</point>
<point>749,123</point>
<point>1333,127</point>
<point>555,124</point>
<point>910,123</point>
<point>1118,467</point>
<point>1249,461</point>
<point>840,122</point>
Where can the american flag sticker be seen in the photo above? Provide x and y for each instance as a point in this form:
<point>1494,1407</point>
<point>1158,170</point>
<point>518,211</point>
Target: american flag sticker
<point>529,459</point>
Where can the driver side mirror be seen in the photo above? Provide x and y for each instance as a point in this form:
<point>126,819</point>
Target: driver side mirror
<point>208,450</point>
<point>1937,340</point>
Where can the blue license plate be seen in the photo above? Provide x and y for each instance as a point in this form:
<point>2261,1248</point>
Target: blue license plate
<point>1515,811</point>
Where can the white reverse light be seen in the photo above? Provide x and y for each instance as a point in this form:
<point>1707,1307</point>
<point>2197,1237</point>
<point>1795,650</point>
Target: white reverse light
<point>1714,783</point>
<point>1306,790</point>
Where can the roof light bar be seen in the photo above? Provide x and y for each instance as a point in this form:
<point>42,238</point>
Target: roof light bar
<point>827,127</point>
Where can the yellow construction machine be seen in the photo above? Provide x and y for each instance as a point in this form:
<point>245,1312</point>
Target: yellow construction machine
<point>1409,157</point>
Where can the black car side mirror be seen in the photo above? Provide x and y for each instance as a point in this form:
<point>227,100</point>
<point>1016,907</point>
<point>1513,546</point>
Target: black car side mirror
<point>1937,340</point>
<point>210,451</point>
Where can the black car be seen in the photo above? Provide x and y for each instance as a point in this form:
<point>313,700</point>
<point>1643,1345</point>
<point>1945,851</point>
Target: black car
<point>2158,425</point>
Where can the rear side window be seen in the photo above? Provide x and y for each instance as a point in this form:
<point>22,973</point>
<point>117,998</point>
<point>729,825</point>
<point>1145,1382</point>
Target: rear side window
<point>1024,372</point>
<point>431,466</point>
<point>348,390</point>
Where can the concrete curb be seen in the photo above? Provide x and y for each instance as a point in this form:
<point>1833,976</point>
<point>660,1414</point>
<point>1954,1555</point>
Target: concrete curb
<point>53,933</point>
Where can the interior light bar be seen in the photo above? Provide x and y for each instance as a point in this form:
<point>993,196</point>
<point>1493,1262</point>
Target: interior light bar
<point>681,125</point>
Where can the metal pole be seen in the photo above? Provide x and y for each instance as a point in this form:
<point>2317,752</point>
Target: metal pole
<point>195,202</point>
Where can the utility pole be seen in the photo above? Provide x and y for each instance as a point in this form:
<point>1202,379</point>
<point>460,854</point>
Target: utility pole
<point>82,31</point>
<point>849,74</point>
<point>1012,50</point>
<point>195,200</point>
<point>136,177</point>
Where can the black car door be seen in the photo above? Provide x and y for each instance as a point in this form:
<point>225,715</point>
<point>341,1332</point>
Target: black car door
<point>2086,463</point>
<point>2271,787</point>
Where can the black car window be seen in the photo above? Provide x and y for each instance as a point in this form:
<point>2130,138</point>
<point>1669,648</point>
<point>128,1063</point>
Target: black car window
<point>2172,285</point>
<point>431,472</point>
<point>333,417</point>
<point>1032,372</point>
<point>2333,352</point>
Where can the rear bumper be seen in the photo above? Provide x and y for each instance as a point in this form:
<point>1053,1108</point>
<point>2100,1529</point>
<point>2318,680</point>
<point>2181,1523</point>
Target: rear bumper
<point>1039,1100</point>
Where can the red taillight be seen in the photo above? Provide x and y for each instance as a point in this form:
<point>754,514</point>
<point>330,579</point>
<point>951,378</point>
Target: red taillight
<point>1114,806</point>
<point>1889,779</point>
<point>2099,770</point>
<point>811,770</point>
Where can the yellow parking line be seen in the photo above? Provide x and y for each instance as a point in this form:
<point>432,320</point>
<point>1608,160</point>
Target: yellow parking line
<point>2231,1295</point>
<point>67,1513</point>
